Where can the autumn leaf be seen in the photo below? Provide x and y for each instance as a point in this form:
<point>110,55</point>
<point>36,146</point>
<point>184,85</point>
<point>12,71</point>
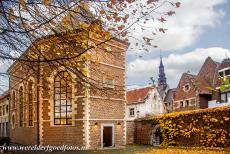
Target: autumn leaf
<point>161,19</point>
<point>46,2</point>
<point>147,39</point>
<point>170,13</point>
<point>22,4</point>
<point>162,30</point>
<point>113,2</point>
<point>121,27</point>
<point>177,4</point>
<point>102,12</point>
<point>151,1</point>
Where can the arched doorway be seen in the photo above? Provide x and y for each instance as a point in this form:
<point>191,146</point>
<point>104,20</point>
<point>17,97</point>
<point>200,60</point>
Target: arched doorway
<point>156,136</point>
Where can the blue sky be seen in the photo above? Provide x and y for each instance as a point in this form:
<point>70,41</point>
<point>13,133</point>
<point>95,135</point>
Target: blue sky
<point>198,30</point>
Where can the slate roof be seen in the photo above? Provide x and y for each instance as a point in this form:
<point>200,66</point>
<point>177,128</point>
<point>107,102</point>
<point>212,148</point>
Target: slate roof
<point>5,94</point>
<point>170,94</point>
<point>224,64</point>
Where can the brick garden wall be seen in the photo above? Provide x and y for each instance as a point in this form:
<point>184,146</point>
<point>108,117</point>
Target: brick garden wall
<point>130,132</point>
<point>143,133</point>
<point>207,127</point>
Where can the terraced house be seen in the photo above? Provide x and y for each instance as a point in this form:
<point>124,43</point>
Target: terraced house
<point>4,114</point>
<point>202,90</point>
<point>55,106</point>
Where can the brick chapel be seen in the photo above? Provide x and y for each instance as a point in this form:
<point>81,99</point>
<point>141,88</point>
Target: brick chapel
<point>56,108</point>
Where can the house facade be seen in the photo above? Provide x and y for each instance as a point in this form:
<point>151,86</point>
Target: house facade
<point>4,114</point>
<point>168,100</point>
<point>142,102</point>
<point>195,91</point>
<point>148,100</point>
<point>223,72</point>
<point>55,105</point>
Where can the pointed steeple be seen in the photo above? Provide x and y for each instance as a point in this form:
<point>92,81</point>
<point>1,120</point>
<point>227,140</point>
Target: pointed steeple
<point>161,77</point>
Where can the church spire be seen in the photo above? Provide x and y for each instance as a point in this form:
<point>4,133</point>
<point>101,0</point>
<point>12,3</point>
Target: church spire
<point>161,77</point>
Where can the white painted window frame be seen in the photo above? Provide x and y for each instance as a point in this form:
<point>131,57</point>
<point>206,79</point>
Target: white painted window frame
<point>186,90</point>
<point>105,85</point>
<point>132,115</point>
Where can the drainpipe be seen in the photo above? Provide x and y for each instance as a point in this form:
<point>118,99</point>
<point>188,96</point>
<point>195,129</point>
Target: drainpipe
<point>38,101</point>
<point>9,110</point>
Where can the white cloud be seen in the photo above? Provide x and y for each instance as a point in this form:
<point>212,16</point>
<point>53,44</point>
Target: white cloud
<point>186,25</point>
<point>175,64</point>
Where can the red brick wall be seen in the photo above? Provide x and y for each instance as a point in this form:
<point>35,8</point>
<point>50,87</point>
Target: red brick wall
<point>60,135</point>
<point>106,106</point>
<point>143,133</point>
<point>180,94</point>
<point>130,132</point>
<point>95,133</point>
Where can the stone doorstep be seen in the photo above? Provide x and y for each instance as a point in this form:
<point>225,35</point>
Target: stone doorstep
<point>112,147</point>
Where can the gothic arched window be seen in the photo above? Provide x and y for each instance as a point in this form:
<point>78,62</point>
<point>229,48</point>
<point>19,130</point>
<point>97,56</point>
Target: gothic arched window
<point>30,102</point>
<point>13,100</point>
<point>63,99</point>
<point>21,107</point>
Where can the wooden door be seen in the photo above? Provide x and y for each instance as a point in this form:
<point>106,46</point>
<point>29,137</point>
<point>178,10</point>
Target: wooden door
<point>107,136</point>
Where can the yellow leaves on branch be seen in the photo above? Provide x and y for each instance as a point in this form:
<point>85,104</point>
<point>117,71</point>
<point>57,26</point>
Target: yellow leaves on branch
<point>84,26</point>
<point>85,71</point>
<point>11,16</point>
<point>211,125</point>
<point>102,11</point>
<point>22,4</point>
<point>46,2</point>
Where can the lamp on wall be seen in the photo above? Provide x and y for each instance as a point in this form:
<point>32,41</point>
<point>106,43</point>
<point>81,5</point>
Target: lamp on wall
<point>138,113</point>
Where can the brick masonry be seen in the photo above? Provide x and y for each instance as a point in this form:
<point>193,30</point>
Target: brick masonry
<point>198,93</point>
<point>130,132</point>
<point>89,106</point>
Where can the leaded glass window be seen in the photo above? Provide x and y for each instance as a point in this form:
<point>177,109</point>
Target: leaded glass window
<point>21,107</point>
<point>63,99</point>
<point>13,100</point>
<point>30,101</point>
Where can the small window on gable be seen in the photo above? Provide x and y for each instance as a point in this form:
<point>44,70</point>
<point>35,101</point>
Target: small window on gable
<point>108,83</point>
<point>181,104</point>
<point>227,72</point>
<point>186,87</point>
<point>221,74</point>
<point>131,112</point>
<point>187,102</point>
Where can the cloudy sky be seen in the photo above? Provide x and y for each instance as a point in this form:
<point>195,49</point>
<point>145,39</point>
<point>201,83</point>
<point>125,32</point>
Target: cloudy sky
<point>198,30</point>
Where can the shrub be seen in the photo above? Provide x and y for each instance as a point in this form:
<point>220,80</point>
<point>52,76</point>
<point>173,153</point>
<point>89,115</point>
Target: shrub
<point>207,127</point>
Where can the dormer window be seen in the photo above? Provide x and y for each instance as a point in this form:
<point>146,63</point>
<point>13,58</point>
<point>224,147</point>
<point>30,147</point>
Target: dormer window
<point>186,87</point>
<point>224,72</point>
